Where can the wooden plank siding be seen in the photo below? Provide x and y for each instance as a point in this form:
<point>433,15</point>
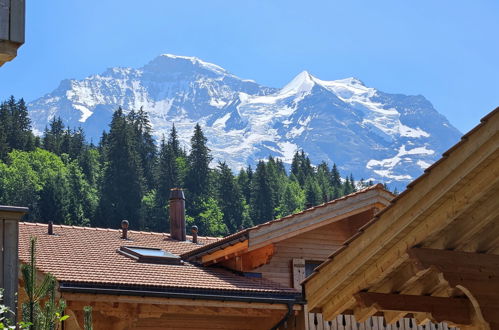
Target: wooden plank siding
<point>315,245</point>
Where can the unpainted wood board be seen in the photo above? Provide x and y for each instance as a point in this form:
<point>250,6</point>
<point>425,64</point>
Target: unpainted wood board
<point>4,19</point>
<point>17,20</point>
<point>430,194</point>
<point>484,179</point>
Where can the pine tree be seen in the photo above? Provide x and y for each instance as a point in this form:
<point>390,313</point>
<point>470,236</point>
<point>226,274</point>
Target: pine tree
<point>324,181</point>
<point>53,136</point>
<point>313,194</point>
<point>144,144</point>
<point>16,127</point>
<point>262,202</point>
<point>335,177</point>
<point>230,199</point>
<point>41,310</point>
<point>122,183</point>
<point>244,182</point>
<point>198,172</point>
<point>167,177</point>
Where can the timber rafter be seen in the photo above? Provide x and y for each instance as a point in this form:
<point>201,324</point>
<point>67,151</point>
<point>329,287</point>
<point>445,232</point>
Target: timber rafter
<point>439,241</point>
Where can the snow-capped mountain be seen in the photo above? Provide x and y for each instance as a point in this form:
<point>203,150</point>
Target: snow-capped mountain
<point>387,137</point>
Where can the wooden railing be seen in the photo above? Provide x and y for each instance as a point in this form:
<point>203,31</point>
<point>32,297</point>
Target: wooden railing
<point>347,322</point>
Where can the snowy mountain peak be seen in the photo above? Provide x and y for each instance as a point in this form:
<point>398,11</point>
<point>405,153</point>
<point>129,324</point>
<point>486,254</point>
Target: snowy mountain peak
<point>303,82</point>
<point>176,63</point>
<point>374,135</point>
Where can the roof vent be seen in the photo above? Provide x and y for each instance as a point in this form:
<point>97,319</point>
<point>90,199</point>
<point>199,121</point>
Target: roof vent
<point>150,255</point>
<point>124,229</point>
<point>50,229</point>
<point>194,230</point>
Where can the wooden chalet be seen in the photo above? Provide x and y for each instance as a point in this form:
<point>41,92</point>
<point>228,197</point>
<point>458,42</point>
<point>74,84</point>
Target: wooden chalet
<point>248,280</point>
<point>432,255</point>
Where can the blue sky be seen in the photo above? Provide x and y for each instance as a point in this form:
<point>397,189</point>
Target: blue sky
<point>446,50</point>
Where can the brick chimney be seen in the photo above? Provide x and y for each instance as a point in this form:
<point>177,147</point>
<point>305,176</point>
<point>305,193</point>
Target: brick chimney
<point>177,214</point>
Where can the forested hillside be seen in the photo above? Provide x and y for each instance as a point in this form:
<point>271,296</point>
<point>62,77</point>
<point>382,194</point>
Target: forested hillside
<point>64,179</point>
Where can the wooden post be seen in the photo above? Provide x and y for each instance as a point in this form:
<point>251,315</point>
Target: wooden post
<point>9,235</point>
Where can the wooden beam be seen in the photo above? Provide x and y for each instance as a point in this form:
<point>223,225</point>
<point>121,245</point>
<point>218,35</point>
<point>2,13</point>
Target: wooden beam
<point>453,310</point>
<point>257,258</point>
<point>239,247</point>
<point>479,265</point>
<point>408,224</point>
<point>363,313</point>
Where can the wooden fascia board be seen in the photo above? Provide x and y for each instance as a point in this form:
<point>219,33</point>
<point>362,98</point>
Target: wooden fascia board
<point>238,248</point>
<point>334,276</point>
<point>321,217</point>
<point>357,276</point>
<point>87,297</point>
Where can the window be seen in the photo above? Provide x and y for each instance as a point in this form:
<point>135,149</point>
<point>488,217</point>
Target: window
<point>151,255</point>
<point>310,266</point>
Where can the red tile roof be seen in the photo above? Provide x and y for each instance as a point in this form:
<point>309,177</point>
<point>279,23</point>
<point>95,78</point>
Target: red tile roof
<point>89,256</point>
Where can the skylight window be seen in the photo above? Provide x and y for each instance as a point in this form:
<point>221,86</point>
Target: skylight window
<point>150,255</point>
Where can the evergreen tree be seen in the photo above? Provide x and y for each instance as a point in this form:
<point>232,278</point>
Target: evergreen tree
<point>230,199</point>
<point>4,147</point>
<point>262,202</point>
<point>313,195</point>
<point>352,183</point>
<point>244,182</point>
<point>335,177</point>
<point>54,202</point>
<point>324,182</point>
<point>174,142</point>
<point>82,197</point>
<point>16,127</point>
<point>198,172</point>
<point>122,183</point>
<point>168,177</point>
<point>53,136</point>
<point>293,200</point>
<point>144,144</point>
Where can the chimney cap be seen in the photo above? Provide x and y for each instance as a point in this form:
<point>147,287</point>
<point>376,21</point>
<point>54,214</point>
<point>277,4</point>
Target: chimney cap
<point>177,193</point>
<point>194,229</point>
<point>124,224</point>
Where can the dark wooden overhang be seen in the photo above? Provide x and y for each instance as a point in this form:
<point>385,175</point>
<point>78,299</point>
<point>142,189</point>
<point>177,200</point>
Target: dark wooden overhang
<point>434,253</point>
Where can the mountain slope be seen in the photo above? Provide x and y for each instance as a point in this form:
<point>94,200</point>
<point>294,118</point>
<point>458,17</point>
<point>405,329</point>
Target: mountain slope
<point>387,137</point>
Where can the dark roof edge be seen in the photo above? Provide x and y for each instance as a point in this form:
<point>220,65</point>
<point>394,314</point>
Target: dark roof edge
<point>219,295</point>
<point>17,209</point>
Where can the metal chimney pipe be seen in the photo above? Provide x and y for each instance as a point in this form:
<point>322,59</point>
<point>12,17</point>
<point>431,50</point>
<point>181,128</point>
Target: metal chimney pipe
<point>177,214</point>
<point>51,228</point>
<point>194,230</point>
<point>124,229</point>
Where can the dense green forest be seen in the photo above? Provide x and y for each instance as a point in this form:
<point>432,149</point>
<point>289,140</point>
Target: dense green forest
<point>64,179</point>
